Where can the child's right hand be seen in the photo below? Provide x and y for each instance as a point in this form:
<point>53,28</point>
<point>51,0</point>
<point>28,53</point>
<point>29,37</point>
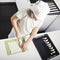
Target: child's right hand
<point>18,36</point>
<point>19,39</point>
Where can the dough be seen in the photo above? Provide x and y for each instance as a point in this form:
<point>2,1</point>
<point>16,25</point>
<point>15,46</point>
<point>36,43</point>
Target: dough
<point>14,48</point>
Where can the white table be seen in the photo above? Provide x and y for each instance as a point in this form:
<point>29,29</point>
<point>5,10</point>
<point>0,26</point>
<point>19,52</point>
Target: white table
<point>32,53</point>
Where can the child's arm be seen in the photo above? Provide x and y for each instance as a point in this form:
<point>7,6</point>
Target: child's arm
<point>33,33</point>
<point>14,21</point>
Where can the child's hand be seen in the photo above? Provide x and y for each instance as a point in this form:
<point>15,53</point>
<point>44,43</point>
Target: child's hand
<point>24,46</point>
<point>18,39</point>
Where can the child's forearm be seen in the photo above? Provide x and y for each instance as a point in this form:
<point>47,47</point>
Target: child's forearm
<point>34,32</point>
<point>14,20</point>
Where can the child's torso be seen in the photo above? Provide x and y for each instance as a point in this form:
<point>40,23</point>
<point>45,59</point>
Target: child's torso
<point>26,25</point>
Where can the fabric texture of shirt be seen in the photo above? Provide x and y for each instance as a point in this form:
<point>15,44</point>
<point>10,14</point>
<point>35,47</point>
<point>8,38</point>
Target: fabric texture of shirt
<point>27,24</point>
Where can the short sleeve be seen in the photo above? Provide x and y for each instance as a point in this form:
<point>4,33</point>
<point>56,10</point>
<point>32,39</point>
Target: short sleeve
<point>44,10</point>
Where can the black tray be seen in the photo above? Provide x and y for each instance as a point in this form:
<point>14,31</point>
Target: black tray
<point>45,47</point>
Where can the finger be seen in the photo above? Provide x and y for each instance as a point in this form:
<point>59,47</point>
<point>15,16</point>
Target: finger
<point>23,49</point>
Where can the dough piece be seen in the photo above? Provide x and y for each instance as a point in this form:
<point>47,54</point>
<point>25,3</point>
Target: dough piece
<point>14,48</point>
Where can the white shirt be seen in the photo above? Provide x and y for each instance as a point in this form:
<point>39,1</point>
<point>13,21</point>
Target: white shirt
<point>41,10</point>
<point>27,24</point>
<point>7,0</point>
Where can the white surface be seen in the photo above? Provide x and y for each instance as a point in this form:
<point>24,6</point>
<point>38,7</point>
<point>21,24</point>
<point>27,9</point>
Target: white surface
<point>57,3</point>
<point>48,20</point>
<point>55,25</point>
<point>32,53</point>
<point>7,0</point>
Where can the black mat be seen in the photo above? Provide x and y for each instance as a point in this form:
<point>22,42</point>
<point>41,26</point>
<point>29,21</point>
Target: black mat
<point>45,47</point>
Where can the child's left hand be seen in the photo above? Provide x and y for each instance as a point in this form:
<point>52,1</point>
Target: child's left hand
<point>24,46</point>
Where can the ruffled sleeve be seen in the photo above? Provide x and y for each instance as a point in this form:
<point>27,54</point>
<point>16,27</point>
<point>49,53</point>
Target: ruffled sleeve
<point>43,9</point>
